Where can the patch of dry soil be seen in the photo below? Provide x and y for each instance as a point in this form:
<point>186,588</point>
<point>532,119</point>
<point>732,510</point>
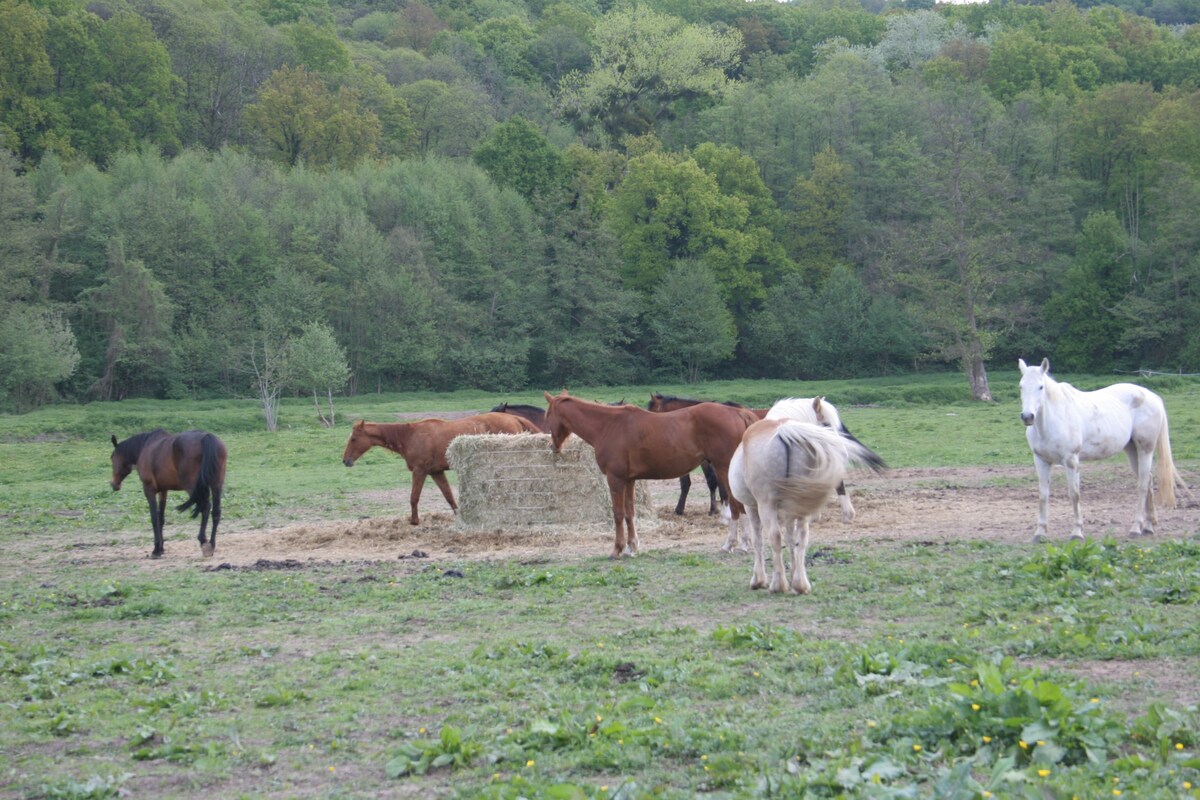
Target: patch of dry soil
<point>904,505</point>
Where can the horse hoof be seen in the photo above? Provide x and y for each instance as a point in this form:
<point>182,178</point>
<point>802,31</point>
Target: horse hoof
<point>414,521</point>
<point>207,549</point>
<point>1079,537</point>
<point>1038,538</point>
<point>156,554</point>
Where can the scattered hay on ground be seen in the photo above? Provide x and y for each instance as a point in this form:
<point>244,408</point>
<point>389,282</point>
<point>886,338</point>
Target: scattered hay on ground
<point>517,481</point>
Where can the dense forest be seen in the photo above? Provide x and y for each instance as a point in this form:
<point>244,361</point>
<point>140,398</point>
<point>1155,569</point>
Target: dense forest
<point>207,198</point>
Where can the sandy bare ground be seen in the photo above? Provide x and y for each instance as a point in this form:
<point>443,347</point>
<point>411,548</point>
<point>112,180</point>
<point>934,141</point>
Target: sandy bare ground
<point>936,504</point>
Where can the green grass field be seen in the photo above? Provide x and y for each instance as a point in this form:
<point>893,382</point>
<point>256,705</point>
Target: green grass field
<point>958,670</point>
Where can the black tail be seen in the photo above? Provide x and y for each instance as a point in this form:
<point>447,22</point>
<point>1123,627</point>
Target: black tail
<point>874,461</point>
<point>201,494</point>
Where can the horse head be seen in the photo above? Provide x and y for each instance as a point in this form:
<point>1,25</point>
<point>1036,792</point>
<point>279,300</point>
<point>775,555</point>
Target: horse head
<point>558,427</point>
<point>656,402</point>
<point>122,465</point>
<point>358,443</point>
<point>1033,385</point>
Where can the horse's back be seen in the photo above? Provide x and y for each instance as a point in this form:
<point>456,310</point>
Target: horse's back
<point>1100,423</point>
<point>172,462</point>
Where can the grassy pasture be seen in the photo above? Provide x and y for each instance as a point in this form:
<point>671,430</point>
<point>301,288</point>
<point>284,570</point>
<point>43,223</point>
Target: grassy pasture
<point>959,670</point>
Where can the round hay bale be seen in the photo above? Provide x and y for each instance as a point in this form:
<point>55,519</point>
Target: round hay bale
<point>515,480</point>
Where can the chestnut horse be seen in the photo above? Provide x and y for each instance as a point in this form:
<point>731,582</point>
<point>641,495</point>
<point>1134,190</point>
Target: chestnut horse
<point>193,461</point>
<point>632,443</point>
<point>667,402</point>
<point>423,445</point>
<point>534,414</point>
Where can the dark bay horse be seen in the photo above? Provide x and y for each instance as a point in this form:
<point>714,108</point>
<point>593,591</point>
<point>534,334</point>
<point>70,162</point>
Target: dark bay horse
<point>192,461</point>
<point>536,415</point>
<point>532,413</point>
<point>632,443</point>
<point>423,444</point>
<point>667,402</point>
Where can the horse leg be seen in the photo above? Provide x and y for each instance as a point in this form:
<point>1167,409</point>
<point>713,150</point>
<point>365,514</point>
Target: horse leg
<point>775,524</point>
<point>418,483</point>
<point>204,549</point>
<point>799,545</point>
<point>1142,464</point>
<point>442,483</point>
<point>685,485</point>
<point>616,489</point>
<point>1043,473</point>
<point>210,548</point>
<point>758,575</point>
<point>157,509</point>
<point>710,477</point>
<point>1072,465</point>
<point>847,506</point>
<point>631,537</point>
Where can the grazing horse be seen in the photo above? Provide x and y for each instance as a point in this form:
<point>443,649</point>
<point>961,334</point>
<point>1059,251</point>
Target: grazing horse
<point>192,461</point>
<point>1064,425</point>
<point>632,443</point>
<point>667,402</point>
<point>818,412</point>
<point>532,413</point>
<point>783,471</point>
<point>423,445</point>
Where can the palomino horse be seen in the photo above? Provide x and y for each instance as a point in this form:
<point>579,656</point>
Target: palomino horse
<point>192,461</point>
<point>784,471</point>
<point>632,443</point>
<point>667,402</point>
<point>1064,425</point>
<point>817,411</point>
<point>423,445</point>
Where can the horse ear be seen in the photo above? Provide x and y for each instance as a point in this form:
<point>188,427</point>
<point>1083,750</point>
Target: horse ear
<point>114,438</point>
<point>358,424</point>
<point>817,404</point>
<point>1045,365</point>
<point>548,396</point>
<point>1021,365</point>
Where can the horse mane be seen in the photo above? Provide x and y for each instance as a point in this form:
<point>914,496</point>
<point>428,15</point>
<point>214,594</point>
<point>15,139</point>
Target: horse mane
<point>131,448</point>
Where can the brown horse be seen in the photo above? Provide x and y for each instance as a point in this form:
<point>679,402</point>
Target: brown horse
<point>192,461</point>
<point>632,443</point>
<point>532,413</point>
<point>423,445</point>
<point>665,402</point>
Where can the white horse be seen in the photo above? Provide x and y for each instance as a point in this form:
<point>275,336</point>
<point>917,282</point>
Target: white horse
<point>1065,426</point>
<point>784,471</point>
<point>818,412</point>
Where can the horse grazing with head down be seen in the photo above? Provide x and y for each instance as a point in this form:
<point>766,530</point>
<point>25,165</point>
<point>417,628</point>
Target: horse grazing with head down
<point>783,472</point>
<point>532,413</point>
<point>423,445</point>
<point>192,461</point>
<point>631,444</point>
<point>1064,425</point>
<point>665,402</point>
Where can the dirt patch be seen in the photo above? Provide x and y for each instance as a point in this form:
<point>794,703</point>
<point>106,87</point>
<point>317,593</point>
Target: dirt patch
<point>904,507</point>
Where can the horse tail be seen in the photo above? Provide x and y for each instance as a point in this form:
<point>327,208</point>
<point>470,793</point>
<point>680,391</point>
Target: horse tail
<point>200,496</point>
<point>1166,473</point>
<point>804,491</point>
